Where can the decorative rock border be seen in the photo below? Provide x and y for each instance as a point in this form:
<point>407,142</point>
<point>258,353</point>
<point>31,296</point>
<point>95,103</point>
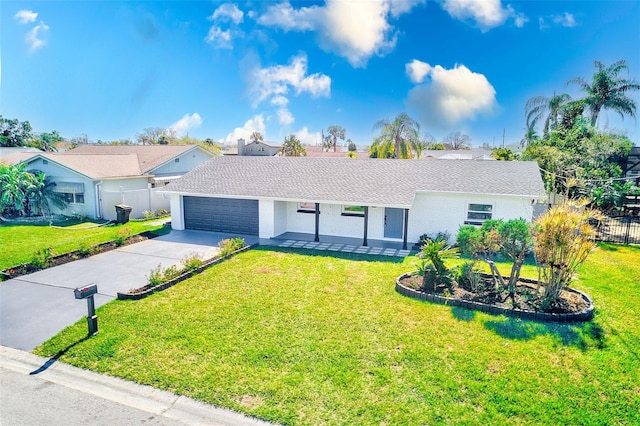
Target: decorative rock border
<point>206,264</point>
<point>585,315</point>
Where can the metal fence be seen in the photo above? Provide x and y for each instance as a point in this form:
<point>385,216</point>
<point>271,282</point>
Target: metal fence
<point>618,229</point>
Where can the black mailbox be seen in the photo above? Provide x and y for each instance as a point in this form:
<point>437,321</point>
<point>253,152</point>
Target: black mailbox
<point>84,292</point>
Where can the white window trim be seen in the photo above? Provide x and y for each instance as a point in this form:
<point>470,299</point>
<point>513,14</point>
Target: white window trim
<point>477,222</point>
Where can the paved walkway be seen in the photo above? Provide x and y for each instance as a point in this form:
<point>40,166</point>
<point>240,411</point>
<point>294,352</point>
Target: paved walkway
<point>37,391</point>
<point>339,244</point>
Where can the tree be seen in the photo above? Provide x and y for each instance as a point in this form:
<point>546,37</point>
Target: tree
<point>14,133</point>
<point>47,141</point>
<point>432,267</point>
<point>40,195</point>
<point>335,133</point>
<point>351,145</point>
<point>530,135</point>
<point>608,90</point>
<point>292,147</point>
<point>256,136</point>
<point>537,106</point>
<point>457,140</point>
<point>399,133</point>
<point>153,136</point>
<point>14,181</point>
<point>503,154</point>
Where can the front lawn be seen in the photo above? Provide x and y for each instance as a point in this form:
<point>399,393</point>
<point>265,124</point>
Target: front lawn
<point>21,242</point>
<point>300,337</point>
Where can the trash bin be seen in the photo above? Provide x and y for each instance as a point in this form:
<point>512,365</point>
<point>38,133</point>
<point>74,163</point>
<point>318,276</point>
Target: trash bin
<point>122,212</point>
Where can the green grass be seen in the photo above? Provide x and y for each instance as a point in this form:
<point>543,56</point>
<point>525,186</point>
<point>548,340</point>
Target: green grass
<point>299,337</point>
<point>19,243</point>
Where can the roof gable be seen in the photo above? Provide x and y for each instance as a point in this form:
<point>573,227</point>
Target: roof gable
<point>148,156</point>
<point>357,181</point>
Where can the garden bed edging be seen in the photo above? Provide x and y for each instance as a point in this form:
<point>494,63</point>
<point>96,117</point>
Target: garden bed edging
<point>582,316</point>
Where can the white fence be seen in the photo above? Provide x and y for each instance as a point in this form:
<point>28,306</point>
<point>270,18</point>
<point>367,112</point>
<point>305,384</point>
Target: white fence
<point>139,199</point>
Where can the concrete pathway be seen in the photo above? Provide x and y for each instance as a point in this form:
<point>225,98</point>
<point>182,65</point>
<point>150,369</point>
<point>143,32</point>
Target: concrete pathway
<point>37,306</point>
<point>37,391</point>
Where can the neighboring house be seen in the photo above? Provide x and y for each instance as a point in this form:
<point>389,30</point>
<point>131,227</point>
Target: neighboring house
<point>257,149</point>
<point>457,154</point>
<point>95,178</point>
<point>318,151</point>
<point>395,200</point>
<point>13,155</point>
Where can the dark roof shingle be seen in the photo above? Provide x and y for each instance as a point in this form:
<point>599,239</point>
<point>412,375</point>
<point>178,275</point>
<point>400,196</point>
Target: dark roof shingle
<point>377,182</point>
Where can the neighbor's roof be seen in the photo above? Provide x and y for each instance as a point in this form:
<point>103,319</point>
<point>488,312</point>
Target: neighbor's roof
<point>16,157</point>
<point>148,156</point>
<point>99,166</point>
<point>377,182</point>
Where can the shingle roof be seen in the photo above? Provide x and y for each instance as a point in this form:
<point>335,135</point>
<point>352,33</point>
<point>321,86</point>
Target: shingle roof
<point>149,156</point>
<point>99,166</point>
<point>375,182</point>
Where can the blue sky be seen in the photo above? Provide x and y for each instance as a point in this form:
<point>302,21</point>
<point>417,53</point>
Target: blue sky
<point>109,69</point>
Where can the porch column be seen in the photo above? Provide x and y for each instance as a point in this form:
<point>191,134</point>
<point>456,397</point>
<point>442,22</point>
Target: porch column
<point>406,227</point>
<point>366,224</point>
<point>317,238</point>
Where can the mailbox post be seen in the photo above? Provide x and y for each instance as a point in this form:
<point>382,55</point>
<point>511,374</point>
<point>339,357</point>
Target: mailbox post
<point>87,293</point>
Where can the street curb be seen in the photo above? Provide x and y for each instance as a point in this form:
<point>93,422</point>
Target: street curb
<point>141,397</point>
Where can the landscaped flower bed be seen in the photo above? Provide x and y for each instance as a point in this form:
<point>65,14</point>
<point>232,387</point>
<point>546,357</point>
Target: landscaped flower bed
<point>572,305</point>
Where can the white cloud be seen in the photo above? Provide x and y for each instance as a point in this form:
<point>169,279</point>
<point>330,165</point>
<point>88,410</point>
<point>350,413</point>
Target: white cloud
<point>227,12</point>
<point>520,19</point>
<point>308,138</point>
<point>355,30</point>
<point>277,80</point>
<point>25,16</point>
<point>255,124</point>
<point>417,70</point>
<point>34,37</point>
<point>186,123</point>
<point>566,20</point>
<point>487,14</point>
<point>285,117</point>
<point>451,96</point>
<point>280,101</point>
<point>218,38</point>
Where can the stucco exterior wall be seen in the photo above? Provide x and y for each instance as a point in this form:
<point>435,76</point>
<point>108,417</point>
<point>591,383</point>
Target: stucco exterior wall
<point>177,213</point>
<point>188,161</point>
<point>432,213</point>
<point>61,174</point>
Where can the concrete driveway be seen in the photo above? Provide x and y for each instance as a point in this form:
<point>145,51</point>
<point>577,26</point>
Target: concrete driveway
<point>37,306</point>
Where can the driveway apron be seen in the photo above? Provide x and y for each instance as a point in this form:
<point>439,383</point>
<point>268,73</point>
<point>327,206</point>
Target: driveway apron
<point>35,307</point>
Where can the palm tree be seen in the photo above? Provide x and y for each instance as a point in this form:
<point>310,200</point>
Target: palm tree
<point>335,133</point>
<point>608,90</point>
<point>537,106</point>
<point>256,136</point>
<point>529,137</point>
<point>292,147</point>
<point>14,181</point>
<point>41,195</point>
<point>400,132</point>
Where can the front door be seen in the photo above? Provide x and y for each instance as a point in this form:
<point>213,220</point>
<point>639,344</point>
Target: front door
<point>393,221</point>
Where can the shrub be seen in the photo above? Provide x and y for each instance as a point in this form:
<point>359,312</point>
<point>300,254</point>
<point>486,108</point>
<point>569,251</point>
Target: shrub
<point>563,240</point>
<point>149,214</point>
<point>86,249</point>
<point>42,258</point>
<point>230,245</point>
<point>156,276</point>
<point>163,212</point>
<point>433,269</point>
<point>192,262</point>
<point>123,235</point>
<point>468,276</point>
<point>171,272</point>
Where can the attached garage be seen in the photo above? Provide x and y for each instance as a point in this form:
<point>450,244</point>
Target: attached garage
<point>221,215</point>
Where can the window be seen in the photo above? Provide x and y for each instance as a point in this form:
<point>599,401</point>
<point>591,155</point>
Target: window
<point>45,161</point>
<point>353,211</point>
<point>306,207</point>
<point>72,192</point>
<point>478,213</point>
<point>177,160</point>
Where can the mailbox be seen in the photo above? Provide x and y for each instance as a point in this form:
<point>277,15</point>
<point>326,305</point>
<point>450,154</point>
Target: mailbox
<point>84,292</point>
